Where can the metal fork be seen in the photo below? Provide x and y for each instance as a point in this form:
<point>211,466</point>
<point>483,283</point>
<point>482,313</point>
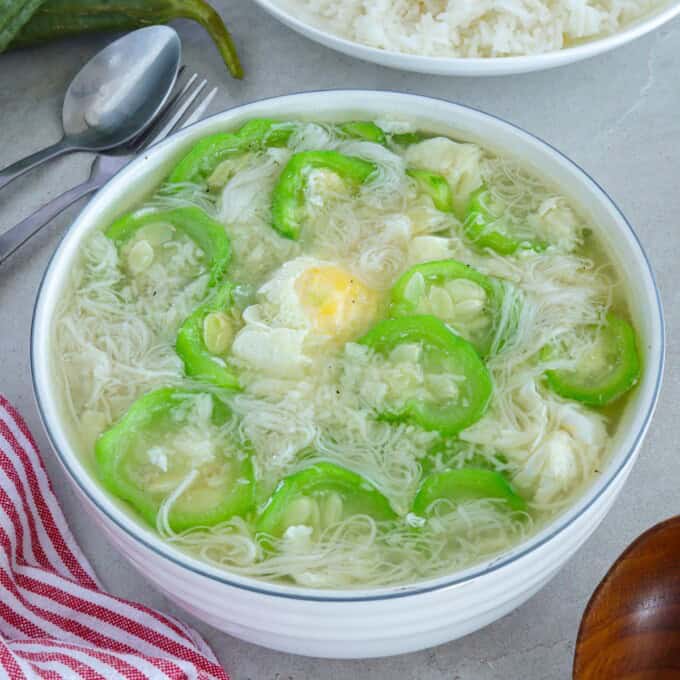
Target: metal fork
<point>106,166</point>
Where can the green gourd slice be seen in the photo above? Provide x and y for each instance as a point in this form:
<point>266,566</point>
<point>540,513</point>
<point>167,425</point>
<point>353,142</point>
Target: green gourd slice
<point>205,337</point>
<point>206,155</point>
<point>320,496</point>
<point>466,484</point>
<point>466,300</point>
<point>435,186</point>
<point>606,371</point>
<point>148,455</point>
<point>444,353</point>
<point>487,229</point>
<point>288,198</point>
<point>205,232</point>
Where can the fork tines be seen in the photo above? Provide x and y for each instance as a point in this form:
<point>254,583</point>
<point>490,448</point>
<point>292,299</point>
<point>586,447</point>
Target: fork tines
<point>172,116</point>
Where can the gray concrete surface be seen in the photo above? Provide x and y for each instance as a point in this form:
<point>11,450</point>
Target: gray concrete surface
<point>616,115</point>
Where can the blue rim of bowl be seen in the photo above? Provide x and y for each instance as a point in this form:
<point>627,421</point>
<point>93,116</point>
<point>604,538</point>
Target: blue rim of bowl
<point>406,590</point>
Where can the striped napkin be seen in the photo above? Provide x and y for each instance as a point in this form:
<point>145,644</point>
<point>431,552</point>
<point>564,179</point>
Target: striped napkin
<point>56,621</point>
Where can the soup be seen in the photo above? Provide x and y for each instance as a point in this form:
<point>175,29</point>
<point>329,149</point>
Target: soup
<point>346,355</point>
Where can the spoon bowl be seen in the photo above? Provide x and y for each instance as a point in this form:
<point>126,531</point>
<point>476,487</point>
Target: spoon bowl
<point>114,97</point>
<point>631,627</point>
<point>121,89</point>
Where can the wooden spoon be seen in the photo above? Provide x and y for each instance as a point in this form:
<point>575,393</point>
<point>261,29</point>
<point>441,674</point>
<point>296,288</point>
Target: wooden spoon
<point>631,627</point>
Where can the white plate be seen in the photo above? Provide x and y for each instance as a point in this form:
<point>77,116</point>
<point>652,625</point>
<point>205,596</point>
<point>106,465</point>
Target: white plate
<point>453,66</point>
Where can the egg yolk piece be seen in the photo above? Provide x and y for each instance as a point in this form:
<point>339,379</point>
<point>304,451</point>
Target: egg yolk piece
<point>337,304</point>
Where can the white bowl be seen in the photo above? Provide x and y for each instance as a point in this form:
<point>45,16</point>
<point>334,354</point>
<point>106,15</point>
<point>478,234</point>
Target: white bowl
<point>383,621</point>
<point>454,66</point>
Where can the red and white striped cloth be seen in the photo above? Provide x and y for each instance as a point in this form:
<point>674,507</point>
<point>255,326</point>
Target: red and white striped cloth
<point>56,622</point>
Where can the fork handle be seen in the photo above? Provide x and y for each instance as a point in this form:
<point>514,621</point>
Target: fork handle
<point>25,164</point>
<point>17,235</point>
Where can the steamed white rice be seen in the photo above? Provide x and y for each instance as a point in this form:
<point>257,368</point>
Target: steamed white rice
<point>470,28</point>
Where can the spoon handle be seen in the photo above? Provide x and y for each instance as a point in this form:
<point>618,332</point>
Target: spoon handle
<point>17,235</point>
<point>21,166</point>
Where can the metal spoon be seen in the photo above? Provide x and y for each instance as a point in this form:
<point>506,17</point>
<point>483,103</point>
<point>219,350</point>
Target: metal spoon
<point>631,626</point>
<point>114,96</point>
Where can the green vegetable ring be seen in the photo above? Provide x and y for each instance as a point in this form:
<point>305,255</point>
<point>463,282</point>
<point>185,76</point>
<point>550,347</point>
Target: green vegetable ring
<point>321,495</point>
<point>208,234</point>
<point>435,186</point>
<point>440,273</point>
<point>444,352</point>
<point>289,193</point>
<point>204,158</point>
<point>466,484</point>
<point>608,370</point>
<point>488,230</point>
<point>223,487</point>
<point>205,338</point>
<point>364,130</point>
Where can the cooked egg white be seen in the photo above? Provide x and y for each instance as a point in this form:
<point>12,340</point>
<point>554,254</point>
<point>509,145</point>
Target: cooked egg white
<point>307,307</point>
